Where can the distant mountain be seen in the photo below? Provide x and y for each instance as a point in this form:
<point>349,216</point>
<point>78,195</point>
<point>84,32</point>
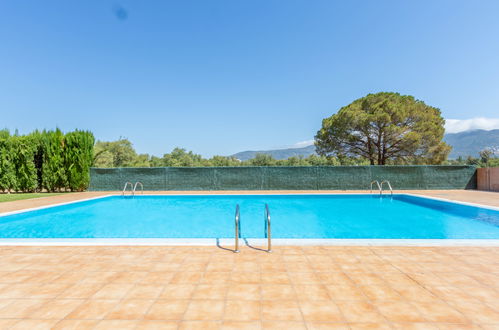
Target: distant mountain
<point>278,153</point>
<point>470,143</point>
<point>464,144</point>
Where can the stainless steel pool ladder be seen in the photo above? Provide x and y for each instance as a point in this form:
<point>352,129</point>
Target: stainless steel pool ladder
<point>269,232</point>
<point>379,187</point>
<point>388,184</point>
<point>124,188</point>
<point>135,187</point>
<point>236,238</point>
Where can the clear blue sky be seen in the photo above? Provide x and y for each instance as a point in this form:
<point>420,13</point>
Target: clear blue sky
<point>218,77</point>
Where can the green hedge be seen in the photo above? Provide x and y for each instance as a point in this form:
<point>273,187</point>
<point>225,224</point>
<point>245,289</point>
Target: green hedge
<point>281,178</point>
<point>49,160</point>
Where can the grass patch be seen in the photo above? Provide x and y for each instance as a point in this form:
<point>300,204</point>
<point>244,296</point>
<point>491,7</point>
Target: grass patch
<point>17,197</point>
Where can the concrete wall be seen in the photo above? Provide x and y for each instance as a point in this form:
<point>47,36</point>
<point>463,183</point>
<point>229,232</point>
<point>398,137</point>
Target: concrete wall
<point>488,179</point>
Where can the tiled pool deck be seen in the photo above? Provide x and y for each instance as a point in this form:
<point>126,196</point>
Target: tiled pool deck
<point>306,287</point>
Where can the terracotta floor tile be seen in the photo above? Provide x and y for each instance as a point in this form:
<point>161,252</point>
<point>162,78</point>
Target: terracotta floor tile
<point>416,293</point>
<point>147,291</point>
<point>440,312</point>
<point>449,293</point>
<point>113,291</point>
<point>324,266</point>
<point>312,292</point>
<point>93,309</point>
<point>198,267</point>
<point>17,290</point>
<point>116,324</point>
<point>399,311</point>
<point>16,277</point>
<point>157,325</point>
<point>5,302</point>
<point>47,291</point>
<point>281,310</point>
<point>246,266</point>
<point>449,326</point>
<point>327,326</point>
<point>280,325</point>
<point>380,292</point>
<point>7,324</point>
<point>415,326</point>
<point>334,278</point>
<point>169,267</point>
<point>359,312</point>
<point>186,278</point>
<point>477,313</point>
<point>220,267</point>
<point>299,267</point>
<point>320,311</point>
<point>44,277</point>
<point>205,291</point>
<point>76,325</point>
<point>242,310</point>
<point>278,292</point>
<point>484,294</point>
<point>304,278</point>
<point>275,278</point>
<point>55,309</point>
<point>363,279</point>
<point>20,308</point>
<point>177,291</point>
<point>167,310</point>
<point>238,325</point>
<point>273,267</point>
<point>244,292</point>
<point>80,291</point>
<point>70,277</point>
<point>130,309</point>
<point>215,278</point>
<point>99,277</point>
<point>200,325</point>
<point>34,324</point>
<point>204,310</point>
<point>487,327</point>
<point>157,278</point>
<point>129,277</point>
<point>345,293</point>
<point>361,326</point>
<point>245,277</point>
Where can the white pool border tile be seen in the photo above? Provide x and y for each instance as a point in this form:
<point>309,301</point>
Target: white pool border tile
<point>51,205</point>
<point>227,242</point>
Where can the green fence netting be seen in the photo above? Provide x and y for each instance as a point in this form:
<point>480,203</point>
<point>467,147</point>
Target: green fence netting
<point>284,178</point>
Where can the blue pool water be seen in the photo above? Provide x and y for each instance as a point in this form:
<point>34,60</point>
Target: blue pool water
<point>293,216</point>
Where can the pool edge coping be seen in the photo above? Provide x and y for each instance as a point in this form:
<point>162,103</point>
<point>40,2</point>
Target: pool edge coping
<point>4,214</point>
<point>229,242</point>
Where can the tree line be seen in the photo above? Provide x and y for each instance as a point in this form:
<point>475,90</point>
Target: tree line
<point>45,160</point>
<point>121,153</point>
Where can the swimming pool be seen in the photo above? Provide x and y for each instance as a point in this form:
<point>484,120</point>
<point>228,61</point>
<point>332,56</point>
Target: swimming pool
<point>356,216</point>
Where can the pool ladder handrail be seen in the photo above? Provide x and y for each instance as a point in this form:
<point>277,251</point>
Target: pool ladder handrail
<point>388,184</point>
<point>268,226</point>
<point>236,236</point>
<point>124,188</point>
<point>380,189</point>
<point>135,187</point>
